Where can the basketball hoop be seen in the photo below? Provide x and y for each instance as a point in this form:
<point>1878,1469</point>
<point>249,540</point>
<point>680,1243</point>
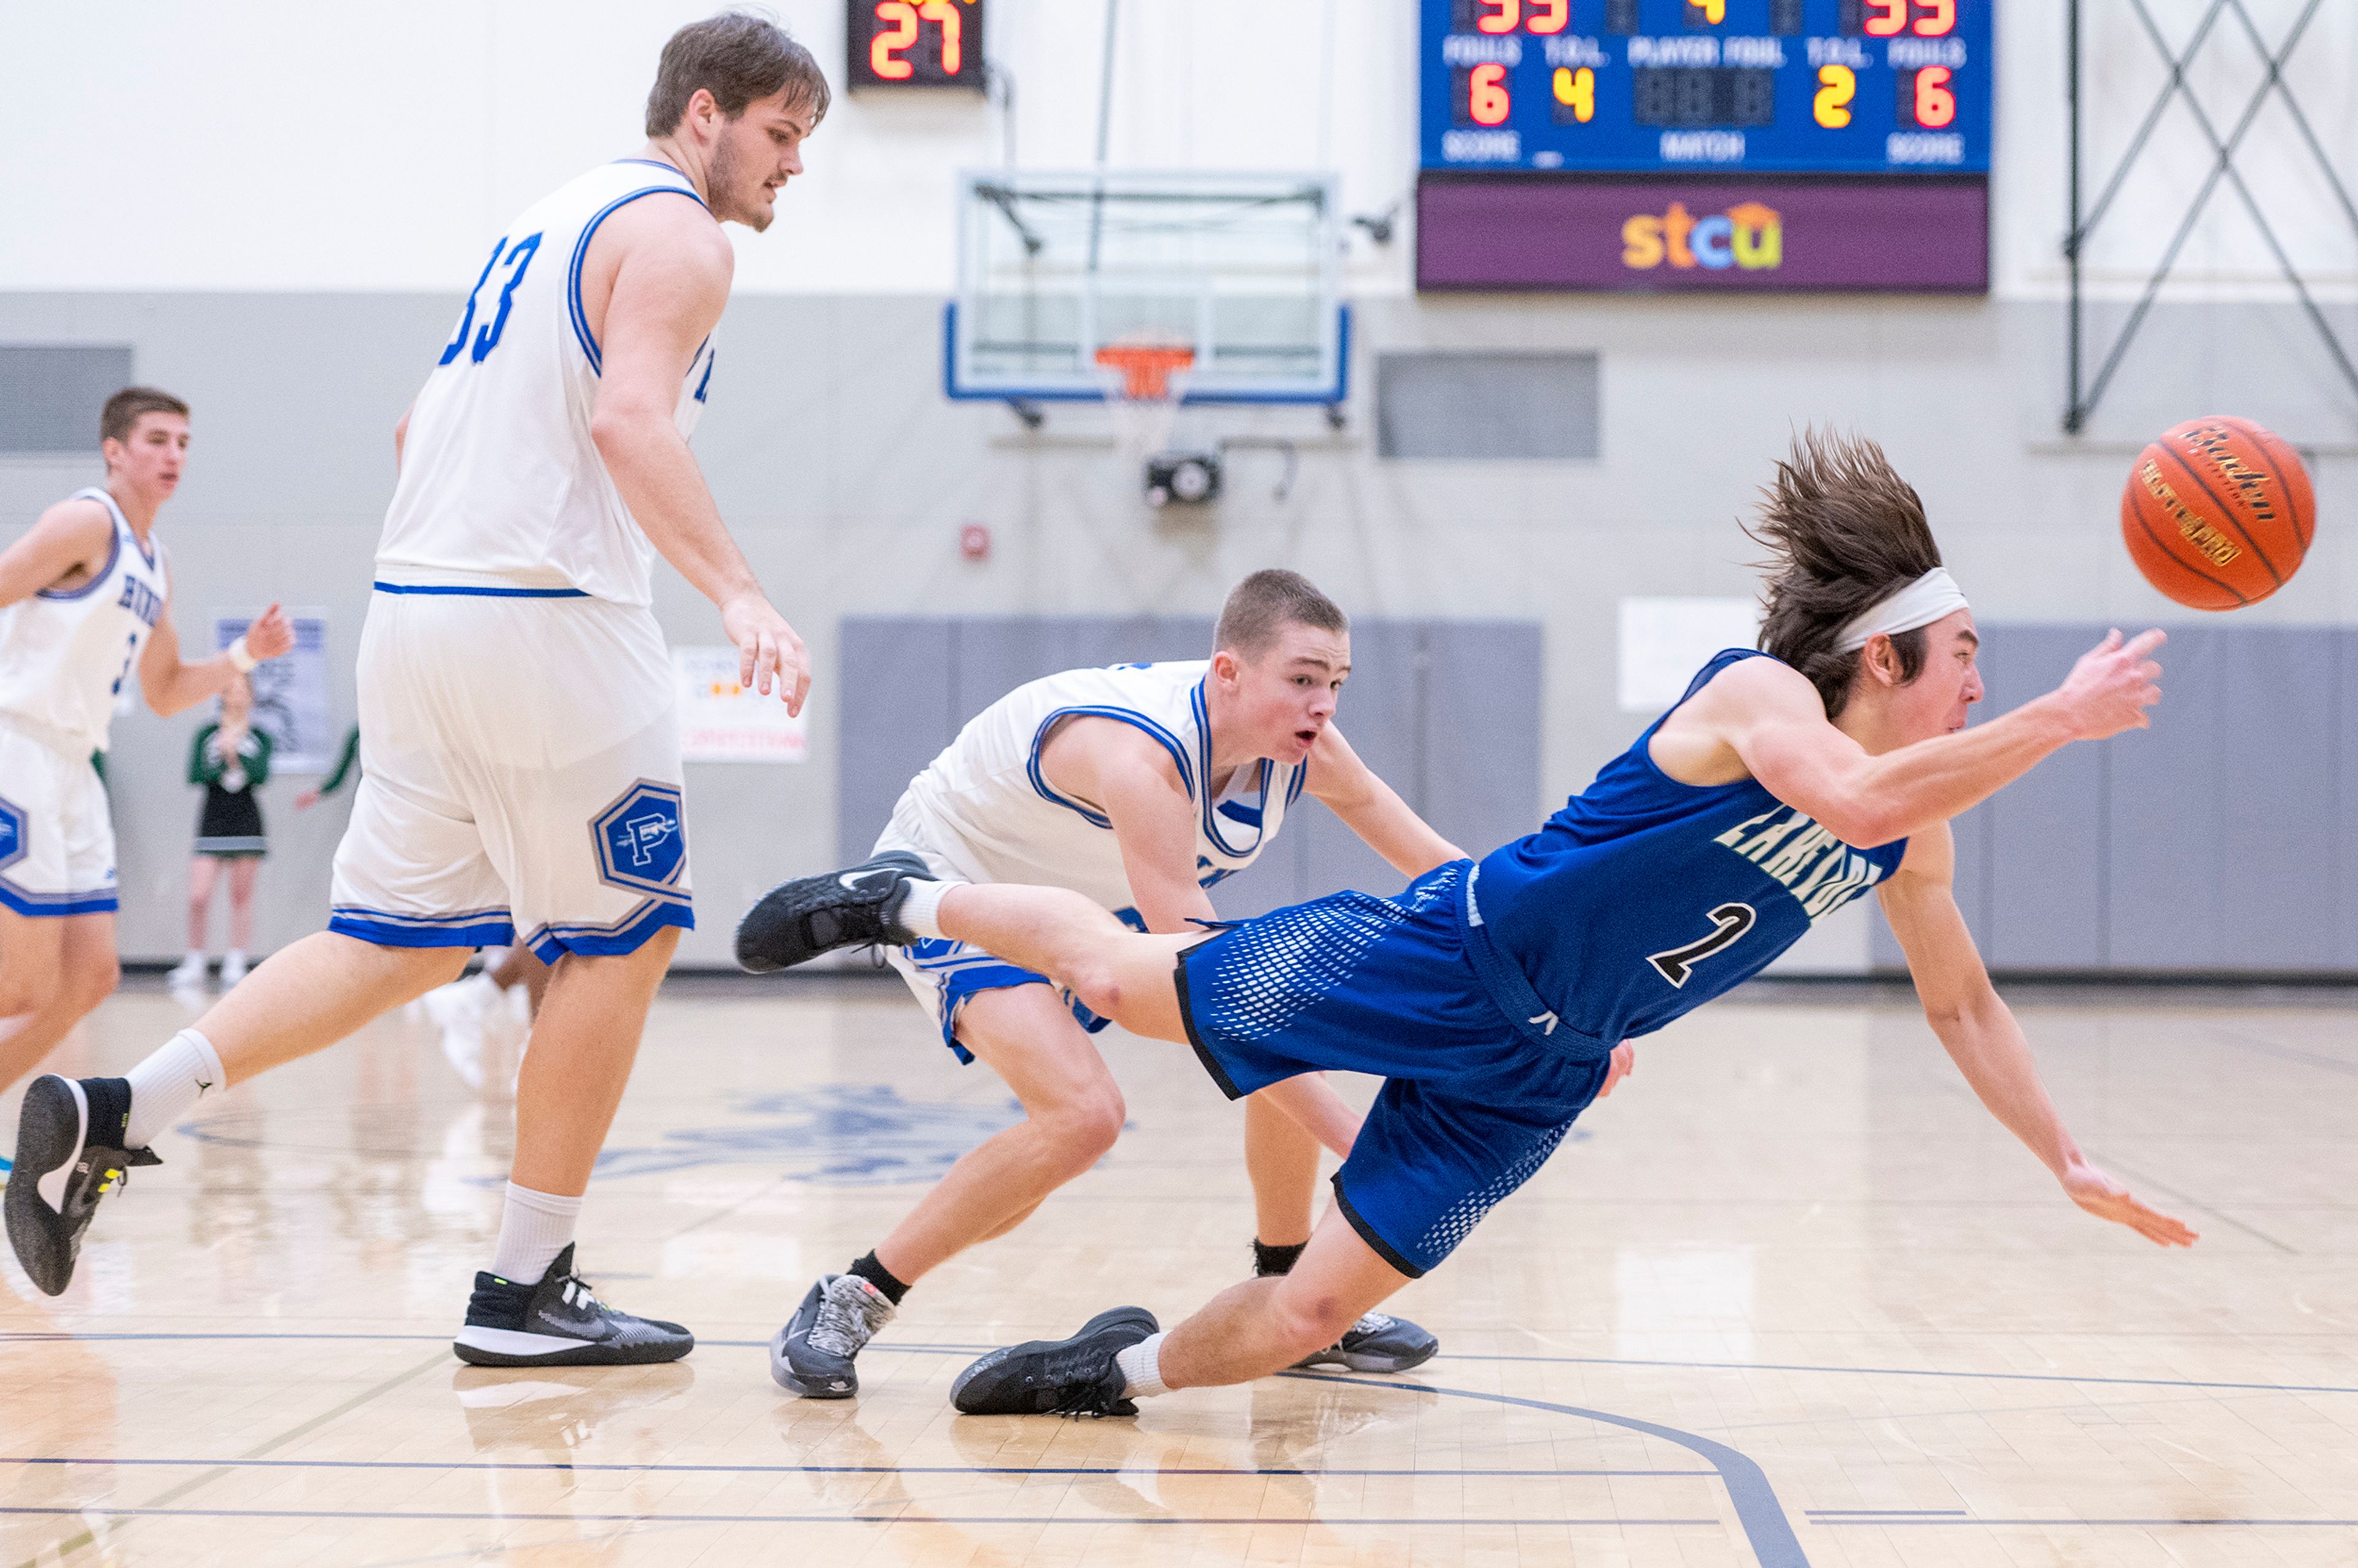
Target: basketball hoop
<point>1143,393</point>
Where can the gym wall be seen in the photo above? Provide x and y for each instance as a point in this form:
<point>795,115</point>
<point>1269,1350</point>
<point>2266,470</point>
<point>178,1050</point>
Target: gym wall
<point>300,320</point>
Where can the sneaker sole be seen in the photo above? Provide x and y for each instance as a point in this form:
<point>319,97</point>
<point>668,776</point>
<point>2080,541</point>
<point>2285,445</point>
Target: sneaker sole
<point>513,1347</point>
<point>783,1373</point>
<point>1117,1318</point>
<point>44,1150</point>
<point>774,924</point>
<point>1360,1361</point>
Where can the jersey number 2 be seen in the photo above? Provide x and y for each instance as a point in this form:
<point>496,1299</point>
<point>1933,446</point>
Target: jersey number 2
<point>517,259</point>
<point>1730,920</point>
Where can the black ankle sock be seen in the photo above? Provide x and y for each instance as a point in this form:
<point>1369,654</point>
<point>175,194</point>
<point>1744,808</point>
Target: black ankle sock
<point>110,1111</point>
<point>878,1275</point>
<point>1268,1259</point>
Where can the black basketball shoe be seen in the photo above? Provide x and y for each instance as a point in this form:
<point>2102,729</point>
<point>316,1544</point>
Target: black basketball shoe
<point>798,920</point>
<point>1378,1342</point>
<point>558,1322</point>
<point>69,1155</point>
<point>814,1355</point>
<point>1057,1376</point>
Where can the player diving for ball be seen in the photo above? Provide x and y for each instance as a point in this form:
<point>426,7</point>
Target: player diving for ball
<point>1138,788</point>
<point>522,772</point>
<point>1498,997</point>
<point>85,597</point>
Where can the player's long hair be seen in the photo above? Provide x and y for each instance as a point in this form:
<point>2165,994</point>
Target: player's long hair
<point>1845,531</point>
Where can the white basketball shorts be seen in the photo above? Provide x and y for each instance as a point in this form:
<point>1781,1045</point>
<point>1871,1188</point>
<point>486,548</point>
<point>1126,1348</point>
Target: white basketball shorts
<point>56,839</point>
<point>941,974</point>
<point>520,776</point>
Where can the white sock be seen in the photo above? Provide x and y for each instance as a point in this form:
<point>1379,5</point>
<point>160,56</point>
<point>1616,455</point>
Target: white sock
<point>195,959</point>
<point>920,907</point>
<point>168,1085</point>
<point>234,956</point>
<point>534,1229</point>
<point>1141,1365</point>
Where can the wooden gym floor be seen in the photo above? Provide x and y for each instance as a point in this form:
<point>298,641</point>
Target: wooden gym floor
<point>1788,1297</point>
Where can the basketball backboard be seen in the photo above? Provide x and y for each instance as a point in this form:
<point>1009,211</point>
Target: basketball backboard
<point>1240,269</point>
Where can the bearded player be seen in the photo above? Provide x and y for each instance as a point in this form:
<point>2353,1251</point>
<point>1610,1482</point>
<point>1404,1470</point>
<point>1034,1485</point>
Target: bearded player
<point>521,745</point>
<point>1498,996</point>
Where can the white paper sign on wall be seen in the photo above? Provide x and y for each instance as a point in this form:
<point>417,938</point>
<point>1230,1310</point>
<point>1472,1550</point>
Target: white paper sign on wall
<point>1665,641</point>
<point>720,721</point>
<point>290,693</point>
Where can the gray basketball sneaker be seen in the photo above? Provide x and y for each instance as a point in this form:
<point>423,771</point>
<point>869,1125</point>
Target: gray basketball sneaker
<point>812,1354</point>
<point>1377,1342</point>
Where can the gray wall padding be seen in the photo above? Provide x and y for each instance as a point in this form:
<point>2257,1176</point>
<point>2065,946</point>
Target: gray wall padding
<point>2220,840</point>
<point>50,394</point>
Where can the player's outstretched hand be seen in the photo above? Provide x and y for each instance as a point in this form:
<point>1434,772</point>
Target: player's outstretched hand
<point>270,635</point>
<point>2113,685</point>
<point>768,654</point>
<point>2105,1198</point>
<point>1625,1059</point>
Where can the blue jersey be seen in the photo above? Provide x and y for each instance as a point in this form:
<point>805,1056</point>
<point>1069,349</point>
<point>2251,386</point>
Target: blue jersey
<point>1644,897</point>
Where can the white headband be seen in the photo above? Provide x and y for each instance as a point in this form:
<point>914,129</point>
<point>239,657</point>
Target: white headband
<point>1921,603</point>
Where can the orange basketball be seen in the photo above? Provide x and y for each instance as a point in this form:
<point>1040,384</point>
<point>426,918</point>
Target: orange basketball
<point>2218,513</point>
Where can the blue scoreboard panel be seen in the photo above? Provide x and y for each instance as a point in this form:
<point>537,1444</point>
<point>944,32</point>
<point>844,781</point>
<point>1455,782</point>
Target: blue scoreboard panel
<point>1718,87</point>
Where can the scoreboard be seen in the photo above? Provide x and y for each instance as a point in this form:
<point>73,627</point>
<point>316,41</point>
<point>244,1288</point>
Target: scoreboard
<point>1707,86</point>
<point>1705,145</point>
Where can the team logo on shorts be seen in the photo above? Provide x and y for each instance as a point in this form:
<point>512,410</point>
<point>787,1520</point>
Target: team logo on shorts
<point>14,842</point>
<point>642,842</point>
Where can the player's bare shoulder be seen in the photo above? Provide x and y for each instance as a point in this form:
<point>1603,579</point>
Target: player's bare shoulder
<point>1696,744</point>
<point>671,245</point>
<point>1094,757</point>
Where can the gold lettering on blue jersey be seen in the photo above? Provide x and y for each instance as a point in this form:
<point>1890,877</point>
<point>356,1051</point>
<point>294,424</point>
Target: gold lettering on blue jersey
<point>1801,849</point>
<point>1820,870</point>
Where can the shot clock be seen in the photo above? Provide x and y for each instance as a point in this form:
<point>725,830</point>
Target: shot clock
<point>915,43</point>
<point>1870,120</point>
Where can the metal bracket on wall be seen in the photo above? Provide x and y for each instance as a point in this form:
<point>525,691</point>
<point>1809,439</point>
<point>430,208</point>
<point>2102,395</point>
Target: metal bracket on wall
<point>2085,394</point>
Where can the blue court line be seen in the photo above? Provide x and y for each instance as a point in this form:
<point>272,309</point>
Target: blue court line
<point>1444,1356</point>
<point>1098,1522</point>
<point>790,1469</point>
<point>1766,1528</point>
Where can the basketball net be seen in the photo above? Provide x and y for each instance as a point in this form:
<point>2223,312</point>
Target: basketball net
<point>1143,383</point>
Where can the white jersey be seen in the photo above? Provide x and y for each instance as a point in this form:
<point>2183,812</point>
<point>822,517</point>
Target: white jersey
<point>499,482</point>
<point>64,651</point>
<point>986,807</point>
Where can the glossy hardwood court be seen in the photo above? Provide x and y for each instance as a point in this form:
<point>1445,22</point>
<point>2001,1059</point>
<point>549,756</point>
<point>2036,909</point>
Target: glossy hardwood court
<point>1788,1297</point>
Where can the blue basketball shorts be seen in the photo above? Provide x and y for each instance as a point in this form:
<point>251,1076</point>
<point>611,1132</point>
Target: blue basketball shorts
<point>1472,1101</point>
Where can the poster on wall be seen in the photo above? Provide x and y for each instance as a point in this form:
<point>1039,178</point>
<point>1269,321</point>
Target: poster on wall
<point>1663,642</point>
<point>290,693</point>
<point>721,721</point>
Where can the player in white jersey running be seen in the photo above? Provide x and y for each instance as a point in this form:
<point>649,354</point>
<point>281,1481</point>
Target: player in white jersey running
<point>84,597</point>
<point>522,768</point>
<point>1139,786</point>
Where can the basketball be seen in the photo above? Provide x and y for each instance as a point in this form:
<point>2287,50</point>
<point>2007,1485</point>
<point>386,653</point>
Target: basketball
<point>2217,512</point>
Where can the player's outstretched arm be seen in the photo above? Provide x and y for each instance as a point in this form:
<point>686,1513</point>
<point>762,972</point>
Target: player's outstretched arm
<point>69,537</point>
<point>170,684</point>
<point>1986,1042</point>
<point>1368,806</point>
<point>1773,719</point>
<point>670,284</point>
